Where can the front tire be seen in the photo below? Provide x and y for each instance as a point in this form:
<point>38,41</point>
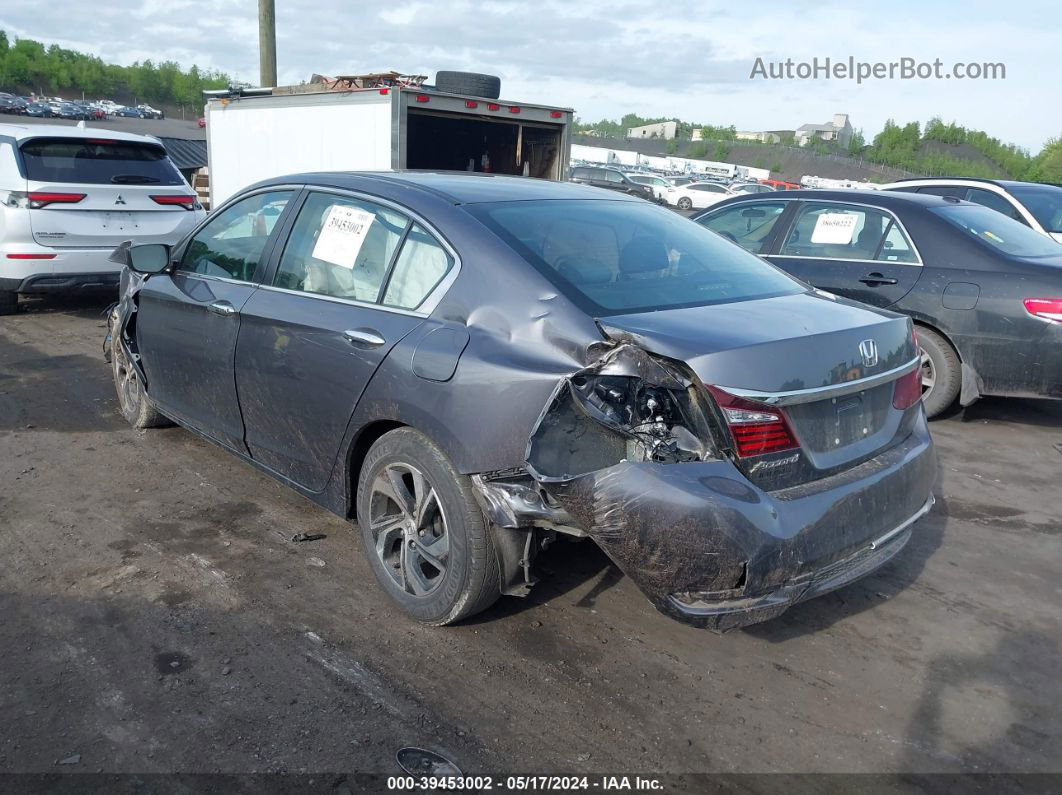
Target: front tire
<point>132,400</point>
<point>685,204</point>
<point>941,372</point>
<point>8,302</point>
<point>423,532</point>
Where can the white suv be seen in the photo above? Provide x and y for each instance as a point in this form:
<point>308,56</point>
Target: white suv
<point>1034,204</point>
<point>70,195</point>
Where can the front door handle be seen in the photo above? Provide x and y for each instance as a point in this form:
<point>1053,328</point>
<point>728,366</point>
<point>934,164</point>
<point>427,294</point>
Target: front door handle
<point>364,337</point>
<point>877,278</point>
<point>223,308</point>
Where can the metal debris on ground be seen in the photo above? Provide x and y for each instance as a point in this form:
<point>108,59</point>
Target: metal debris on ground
<point>299,537</point>
<point>420,762</point>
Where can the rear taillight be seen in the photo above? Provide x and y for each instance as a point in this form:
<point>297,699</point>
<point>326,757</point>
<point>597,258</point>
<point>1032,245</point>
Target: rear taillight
<point>907,390</point>
<point>1045,308</point>
<point>187,202</point>
<point>31,256</point>
<point>756,429</point>
<point>40,199</point>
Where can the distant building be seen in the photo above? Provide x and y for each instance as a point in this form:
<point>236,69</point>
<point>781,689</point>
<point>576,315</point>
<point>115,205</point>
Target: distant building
<point>764,137</point>
<point>839,130</point>
<point>664,129</point>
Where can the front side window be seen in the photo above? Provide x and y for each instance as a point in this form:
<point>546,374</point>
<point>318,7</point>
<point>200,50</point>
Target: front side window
<point>994,202</point>
<point>1044,202</point>
<point>748,225</point>
<point>341,247</point>
<point>842,231</point>
<point>613,257</point>
<point>230,246</point>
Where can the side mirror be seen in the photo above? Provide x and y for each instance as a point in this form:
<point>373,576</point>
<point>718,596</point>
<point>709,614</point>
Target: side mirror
<point>148,258</point>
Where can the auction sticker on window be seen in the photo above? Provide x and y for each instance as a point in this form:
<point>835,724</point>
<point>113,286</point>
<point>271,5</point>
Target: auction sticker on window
<point>342,235</point>
<point>834,228</point>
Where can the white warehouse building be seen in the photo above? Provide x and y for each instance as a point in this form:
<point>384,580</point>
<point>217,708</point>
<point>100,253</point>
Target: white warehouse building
<point>664,129</point>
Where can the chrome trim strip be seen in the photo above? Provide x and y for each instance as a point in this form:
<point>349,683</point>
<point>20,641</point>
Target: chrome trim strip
<point>820,392</point>
<point>877,543</point>
<point>348,301</point>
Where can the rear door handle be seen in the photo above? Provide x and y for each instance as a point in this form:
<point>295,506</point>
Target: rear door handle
<point>222,308</point>
<point>877,278</point>
<point>364,337</point>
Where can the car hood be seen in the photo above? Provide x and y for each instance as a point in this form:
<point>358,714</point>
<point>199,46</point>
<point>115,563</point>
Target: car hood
<point>778,344</point>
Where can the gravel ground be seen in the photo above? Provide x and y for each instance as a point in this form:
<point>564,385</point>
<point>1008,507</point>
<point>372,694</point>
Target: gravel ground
<point>155,617</point>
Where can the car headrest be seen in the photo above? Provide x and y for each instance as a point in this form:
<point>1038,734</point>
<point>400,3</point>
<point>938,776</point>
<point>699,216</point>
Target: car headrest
<point>643,254</point>
<point>584,271</point>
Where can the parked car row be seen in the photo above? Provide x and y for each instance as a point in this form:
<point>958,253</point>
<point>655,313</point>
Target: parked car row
<point>56,107</point>
<point>683,192</point>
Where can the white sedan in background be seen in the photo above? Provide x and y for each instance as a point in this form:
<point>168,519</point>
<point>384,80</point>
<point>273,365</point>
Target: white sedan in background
<point>698,195</point>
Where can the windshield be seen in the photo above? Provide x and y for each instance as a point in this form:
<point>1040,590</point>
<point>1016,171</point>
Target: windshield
<point>98,162</point>
<point>994,229</point>
<point>1045,204</point>
<point>615,257</point>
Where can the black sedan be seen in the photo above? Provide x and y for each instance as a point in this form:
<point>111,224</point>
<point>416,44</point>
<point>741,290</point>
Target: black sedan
<point>39,109</point>
<point>984,291</point>
<point>473,366</point>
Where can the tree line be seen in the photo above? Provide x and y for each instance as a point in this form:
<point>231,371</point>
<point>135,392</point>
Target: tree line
<point>907,146</point>
<point>29,66</point>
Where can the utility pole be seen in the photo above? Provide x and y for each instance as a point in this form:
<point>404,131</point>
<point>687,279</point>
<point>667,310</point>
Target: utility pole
<point>267,42</point>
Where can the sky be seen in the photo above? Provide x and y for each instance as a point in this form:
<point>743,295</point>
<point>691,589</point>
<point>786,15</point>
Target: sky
<point>690,60</point>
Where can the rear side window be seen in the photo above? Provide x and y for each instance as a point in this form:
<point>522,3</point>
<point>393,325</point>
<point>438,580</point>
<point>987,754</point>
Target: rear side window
<point>340,247</point>
<point>421,265</point>
<point>93,161</point>
<point>847,232</point>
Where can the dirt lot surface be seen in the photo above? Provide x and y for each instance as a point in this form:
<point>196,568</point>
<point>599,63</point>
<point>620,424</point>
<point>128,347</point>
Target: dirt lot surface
<point>155,617</point>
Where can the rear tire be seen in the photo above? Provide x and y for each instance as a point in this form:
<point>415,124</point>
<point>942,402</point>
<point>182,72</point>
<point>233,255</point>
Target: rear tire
<point>471,83</point>
<point>8,302</point>
<point>423,531</point>
<point>941,372</point>
<point>685,204</point>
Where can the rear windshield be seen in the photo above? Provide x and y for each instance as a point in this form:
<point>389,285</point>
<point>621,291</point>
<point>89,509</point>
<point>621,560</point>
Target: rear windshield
<point>614,257</point>
<point>98,162</point>
<point>1044,202</point>
<point>994,229</point>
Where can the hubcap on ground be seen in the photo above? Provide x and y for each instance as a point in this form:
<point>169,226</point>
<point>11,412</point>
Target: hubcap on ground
<point>929,374</point>
<point>409,529</point>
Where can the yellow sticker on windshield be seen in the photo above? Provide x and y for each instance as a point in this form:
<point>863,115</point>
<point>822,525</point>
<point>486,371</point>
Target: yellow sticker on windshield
<point>992,237</point>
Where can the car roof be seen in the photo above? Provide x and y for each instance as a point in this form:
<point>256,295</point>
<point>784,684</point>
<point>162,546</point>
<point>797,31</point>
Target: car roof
<point>457,187</point>
<point>1006,184</point>
<point>22,132</point>
<point>884,198</point>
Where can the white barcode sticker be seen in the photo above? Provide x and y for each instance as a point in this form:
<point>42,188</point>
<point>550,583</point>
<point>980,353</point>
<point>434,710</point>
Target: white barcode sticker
<point>342,235</point>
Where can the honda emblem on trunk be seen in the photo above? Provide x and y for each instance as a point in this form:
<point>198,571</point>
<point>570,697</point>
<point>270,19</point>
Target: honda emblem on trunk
<point>868,349</point>
<point>119,200</point>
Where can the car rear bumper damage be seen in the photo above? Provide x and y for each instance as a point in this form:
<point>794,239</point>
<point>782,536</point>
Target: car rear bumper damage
<point>705,544</point>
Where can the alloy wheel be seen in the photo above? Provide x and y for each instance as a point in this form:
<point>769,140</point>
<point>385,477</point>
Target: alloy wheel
<point>125,380</point>
<point>409,529</point>
<point>929,373</point>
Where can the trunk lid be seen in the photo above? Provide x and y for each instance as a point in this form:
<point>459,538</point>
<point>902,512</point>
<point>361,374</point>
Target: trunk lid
<point>801,354</point>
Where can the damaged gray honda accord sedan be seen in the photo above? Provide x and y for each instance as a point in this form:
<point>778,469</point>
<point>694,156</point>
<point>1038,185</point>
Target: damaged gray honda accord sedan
<point>471,366</point>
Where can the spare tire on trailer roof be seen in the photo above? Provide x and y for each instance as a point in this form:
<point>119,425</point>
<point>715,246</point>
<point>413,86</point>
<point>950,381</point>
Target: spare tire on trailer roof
<point>471,83</point>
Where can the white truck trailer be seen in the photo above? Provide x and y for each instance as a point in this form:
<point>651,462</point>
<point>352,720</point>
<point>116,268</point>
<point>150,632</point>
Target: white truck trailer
<point>263,133</point>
